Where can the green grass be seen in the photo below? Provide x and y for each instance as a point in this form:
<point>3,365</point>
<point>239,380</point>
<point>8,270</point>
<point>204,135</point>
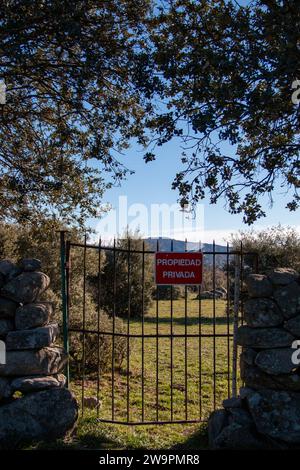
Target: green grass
<point>92,434</point>
<point>200,393</point>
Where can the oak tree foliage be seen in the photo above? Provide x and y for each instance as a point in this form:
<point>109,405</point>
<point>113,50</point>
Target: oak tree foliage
<point>72,104</point>
<point>227,72</point>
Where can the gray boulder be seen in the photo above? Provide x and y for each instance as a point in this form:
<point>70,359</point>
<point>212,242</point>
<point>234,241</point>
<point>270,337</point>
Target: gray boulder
<point>276,414</point>
<point>241,416</point>
<point>49,414</point>
<point>283,276</point>
<point>7,308</point>
<point>261,312</point>
<point>233,402</point>
<point>2,280</point>
<point>34,384</point>
<point>8,269</point>
<point>248,356</point>
<point>258,285</point>
<point>30,264</point>
<point>218,420</point>
<point>206,294</point>
<point>33,315</point>
<point>257,379</point>
<point>245,392</point>
<point>27,287</point>
<point>293,325</point>
<point>276,361</point>
<point>6,325</point>
<point>287,382</point>
<point>46,361</point>
<point>32,339</point>
<point>5,389</point>
<point>288,300</point>
<point>238,436</point>
<point>263,338</point>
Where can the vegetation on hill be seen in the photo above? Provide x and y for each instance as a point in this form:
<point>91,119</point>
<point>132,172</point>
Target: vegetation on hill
<point>276,246</point>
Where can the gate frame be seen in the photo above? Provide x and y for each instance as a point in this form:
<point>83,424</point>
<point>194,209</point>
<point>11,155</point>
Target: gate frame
<point>65,250</point>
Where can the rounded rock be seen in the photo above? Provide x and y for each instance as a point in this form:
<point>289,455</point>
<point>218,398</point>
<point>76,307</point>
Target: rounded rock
<point>8,269</point>
<point>262,312</point>
<point>6,326</point>
<point>7,308</point>
<point>30,264</point>
<point>276,414</point>
<point>27,287</point>
<point>263,338</point>
<point>5,389</point>
<point>33,315</point>
<point>288,300</point>
<point>34,384</point>
<point>293,325</point>
<point>276,361</point>
<point>283,276</point>
<point>258,285</point>
<point>49,414</point>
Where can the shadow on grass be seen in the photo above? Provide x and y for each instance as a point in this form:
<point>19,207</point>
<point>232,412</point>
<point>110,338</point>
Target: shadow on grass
<point>197,440</point>
<point>88,435</point>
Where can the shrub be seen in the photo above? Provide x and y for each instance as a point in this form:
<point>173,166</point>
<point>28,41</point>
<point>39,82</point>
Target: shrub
<point>116,265</point>
<point>164,292</point>
<point>91,339</point>
<point>276,247</point>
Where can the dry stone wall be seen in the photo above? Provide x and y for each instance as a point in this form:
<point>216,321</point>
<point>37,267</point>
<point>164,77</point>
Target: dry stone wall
<point>266,415</point>
<point>33,365</point>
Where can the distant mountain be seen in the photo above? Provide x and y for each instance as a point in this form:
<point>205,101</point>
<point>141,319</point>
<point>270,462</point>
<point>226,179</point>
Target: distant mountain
<point>165,244</point>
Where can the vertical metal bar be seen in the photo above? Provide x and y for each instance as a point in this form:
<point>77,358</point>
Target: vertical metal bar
<point>214,321</point>
<point>200,345</point>
<point>157,344</point>
<point>256,261</point>
<point>83,326</point>
<point>241,282</point>
<point>68,274</point>
<point>228,318</point>
<point>185,350</point>
<point>143,333</point>
<point>113,335</point>
<point>171,344</point>
<point>128,329</point>
<point>235,322</point>
<point>98,326</point>
<point>64,299</point>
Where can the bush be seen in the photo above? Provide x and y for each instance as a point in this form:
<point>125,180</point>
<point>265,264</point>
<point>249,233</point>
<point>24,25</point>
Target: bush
<point>91,339</point>
<point>91,348</point>
<point>164,292</point>
<point>117,264</point>
<point>276,247</point>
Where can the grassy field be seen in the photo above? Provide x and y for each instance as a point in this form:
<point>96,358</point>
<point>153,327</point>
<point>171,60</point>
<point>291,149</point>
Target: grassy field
<point>193,391</point>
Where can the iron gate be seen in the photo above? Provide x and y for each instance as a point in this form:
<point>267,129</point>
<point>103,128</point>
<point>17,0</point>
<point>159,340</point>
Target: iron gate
<point>177,360</point>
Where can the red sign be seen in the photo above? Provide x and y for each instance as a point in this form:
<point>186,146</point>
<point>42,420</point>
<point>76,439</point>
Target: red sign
<point>178,268</point>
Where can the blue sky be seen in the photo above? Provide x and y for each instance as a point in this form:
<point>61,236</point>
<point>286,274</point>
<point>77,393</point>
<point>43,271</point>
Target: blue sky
<point>151,184</point>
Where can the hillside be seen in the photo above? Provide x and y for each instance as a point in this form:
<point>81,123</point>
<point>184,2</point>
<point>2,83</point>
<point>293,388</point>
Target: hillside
<point>165,244</point>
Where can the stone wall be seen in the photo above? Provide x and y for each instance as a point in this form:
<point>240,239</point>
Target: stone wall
<point>266,415</point>
<point>34,403</point>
